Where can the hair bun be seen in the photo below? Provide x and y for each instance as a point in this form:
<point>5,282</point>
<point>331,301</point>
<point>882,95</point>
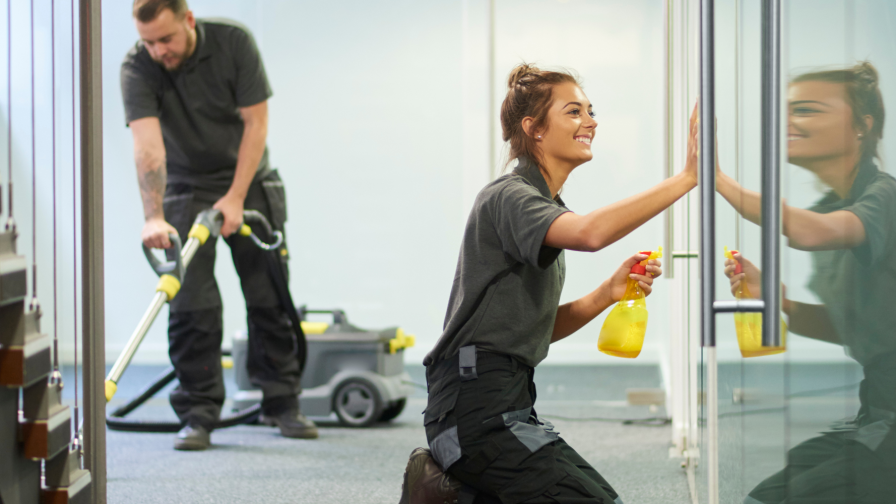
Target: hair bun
<point>519,73</point>
<point>866,74</point>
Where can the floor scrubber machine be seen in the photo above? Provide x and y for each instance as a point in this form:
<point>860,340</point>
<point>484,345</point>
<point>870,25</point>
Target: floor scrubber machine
<point>357,375</point>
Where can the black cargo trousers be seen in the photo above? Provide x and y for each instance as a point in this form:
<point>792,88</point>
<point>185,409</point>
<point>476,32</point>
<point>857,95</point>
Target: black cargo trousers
<point>855,463</point>
<point>482,429</point>
<point>195,326</point>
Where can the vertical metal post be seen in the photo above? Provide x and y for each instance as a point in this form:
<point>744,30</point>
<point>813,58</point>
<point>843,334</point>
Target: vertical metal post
<point>707,241</point>
<point>668,132</point>
<point>771,171</point>
<point>93,328</point>
<point>707,172</point>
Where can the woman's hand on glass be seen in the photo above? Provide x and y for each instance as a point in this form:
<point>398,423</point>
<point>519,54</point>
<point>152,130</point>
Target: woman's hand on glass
<point>619,281</point>
<point>692,162</point>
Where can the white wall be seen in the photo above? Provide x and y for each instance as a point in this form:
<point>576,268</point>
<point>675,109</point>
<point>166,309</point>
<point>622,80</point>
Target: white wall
<point>365,128</point>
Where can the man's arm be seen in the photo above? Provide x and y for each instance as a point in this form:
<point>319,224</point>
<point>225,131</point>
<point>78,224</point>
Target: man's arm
<point>255,133</point>
<point>149,156</point>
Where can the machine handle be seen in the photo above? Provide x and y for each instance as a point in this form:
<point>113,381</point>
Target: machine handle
<point>174,268</point>
<point>339,316</point>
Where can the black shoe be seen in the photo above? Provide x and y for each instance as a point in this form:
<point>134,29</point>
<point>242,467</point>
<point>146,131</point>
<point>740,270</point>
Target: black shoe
<point>425,483</point>
<point>292,424</point>
<point>192,437</point>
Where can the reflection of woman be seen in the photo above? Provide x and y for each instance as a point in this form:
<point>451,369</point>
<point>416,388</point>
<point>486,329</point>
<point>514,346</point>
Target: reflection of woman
<point>503,311</point>
<point>835,122</point>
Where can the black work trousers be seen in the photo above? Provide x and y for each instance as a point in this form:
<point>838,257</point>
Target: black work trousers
<point>195,326</point>
<point>854,464</point>
<point>482,429</point>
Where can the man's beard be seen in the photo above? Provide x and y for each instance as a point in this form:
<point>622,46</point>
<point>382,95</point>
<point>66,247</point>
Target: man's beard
<point>180,58</point>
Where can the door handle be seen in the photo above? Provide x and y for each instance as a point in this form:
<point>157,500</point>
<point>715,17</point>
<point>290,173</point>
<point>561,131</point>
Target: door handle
<point>770,304</point>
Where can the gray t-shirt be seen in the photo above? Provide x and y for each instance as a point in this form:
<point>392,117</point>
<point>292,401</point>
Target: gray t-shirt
<point>858,285</point>
<point>198,104</point>
<point>507,285</point>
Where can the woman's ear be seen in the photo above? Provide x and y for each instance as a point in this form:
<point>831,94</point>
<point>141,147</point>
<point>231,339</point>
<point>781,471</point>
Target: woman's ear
<point>869,124</point>
<point>527,126</point>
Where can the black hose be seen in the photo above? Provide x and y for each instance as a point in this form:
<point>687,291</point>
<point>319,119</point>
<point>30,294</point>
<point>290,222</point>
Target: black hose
<point>116,421</point>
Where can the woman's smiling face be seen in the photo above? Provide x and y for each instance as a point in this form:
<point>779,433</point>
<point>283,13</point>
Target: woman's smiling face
<point>820,122</point>
<point>570,126</point>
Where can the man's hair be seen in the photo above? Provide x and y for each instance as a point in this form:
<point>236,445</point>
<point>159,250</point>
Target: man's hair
<point>147,10</point>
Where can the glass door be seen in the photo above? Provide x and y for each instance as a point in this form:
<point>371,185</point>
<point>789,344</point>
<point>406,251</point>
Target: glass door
<point>809,417</point>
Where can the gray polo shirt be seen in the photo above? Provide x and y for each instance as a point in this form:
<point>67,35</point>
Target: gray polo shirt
<point>507,285</point>
<point>198,104</point>
<point>858,285</point>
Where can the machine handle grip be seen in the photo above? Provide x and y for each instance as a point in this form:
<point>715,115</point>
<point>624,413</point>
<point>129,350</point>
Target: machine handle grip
<point>339,316</point>
<point>174,268</point>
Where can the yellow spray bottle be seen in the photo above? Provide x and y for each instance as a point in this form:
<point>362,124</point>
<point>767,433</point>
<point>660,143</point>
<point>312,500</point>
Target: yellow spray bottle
<point>622,334</point>
<point>748,326</point>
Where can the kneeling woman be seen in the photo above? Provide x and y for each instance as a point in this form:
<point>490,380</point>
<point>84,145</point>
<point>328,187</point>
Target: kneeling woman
<point>503,310</point>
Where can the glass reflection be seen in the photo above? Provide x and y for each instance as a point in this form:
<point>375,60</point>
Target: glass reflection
<point>835,123</point>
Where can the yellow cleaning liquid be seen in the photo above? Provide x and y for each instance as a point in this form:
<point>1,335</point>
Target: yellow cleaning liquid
<point>622,334</point>
<point>748,326</point>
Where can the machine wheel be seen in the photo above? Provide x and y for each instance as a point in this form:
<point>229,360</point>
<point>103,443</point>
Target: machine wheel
<point>393,410</point>
<point>357,403</point>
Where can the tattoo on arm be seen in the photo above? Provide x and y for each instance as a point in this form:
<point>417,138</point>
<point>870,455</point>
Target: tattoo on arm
<point>152,188</point>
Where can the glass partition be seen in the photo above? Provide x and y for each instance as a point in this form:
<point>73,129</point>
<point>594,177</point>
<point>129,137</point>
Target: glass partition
<point>812,423</point>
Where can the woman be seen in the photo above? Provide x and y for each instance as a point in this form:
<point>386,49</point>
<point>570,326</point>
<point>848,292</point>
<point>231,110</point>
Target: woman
<point>503,311</point>
<point>836,120</point>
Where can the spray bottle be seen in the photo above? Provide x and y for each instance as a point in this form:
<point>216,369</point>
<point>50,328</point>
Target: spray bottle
<point>748,326</point>
<point>622,334</point>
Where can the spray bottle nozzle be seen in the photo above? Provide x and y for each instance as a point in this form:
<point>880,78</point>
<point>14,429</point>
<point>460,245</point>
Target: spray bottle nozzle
<point>641,267</point>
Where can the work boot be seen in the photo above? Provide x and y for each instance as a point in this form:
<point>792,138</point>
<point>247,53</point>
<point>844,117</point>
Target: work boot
<point>425,483</point>
<point>292,424</point>
<point>192,437</point>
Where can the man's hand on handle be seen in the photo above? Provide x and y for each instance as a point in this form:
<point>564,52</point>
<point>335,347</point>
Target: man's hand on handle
<point>231,207</point>
<point>155,233</point>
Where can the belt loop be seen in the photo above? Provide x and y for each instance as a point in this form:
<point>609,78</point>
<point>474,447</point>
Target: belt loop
<point>514,365</point>
<point>467,363</point>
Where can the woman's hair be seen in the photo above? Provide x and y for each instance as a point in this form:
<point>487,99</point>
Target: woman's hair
<point>863,95</point>
<point>529,94</point>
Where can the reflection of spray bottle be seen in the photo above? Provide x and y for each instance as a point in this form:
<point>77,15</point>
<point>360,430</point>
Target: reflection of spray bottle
<point>623,331</point>
<point>749,325</point>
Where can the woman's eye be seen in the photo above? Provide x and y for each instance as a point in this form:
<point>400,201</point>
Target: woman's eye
<point>591,113</point>
<point>574,111</point>
<point>804,111</point>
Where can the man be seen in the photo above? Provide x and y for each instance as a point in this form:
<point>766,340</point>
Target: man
<point>195,95</point>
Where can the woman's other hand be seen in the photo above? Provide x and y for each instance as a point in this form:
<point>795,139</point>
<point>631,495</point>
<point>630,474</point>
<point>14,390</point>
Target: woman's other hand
<point>619,280</point>
<point>750,274</point>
